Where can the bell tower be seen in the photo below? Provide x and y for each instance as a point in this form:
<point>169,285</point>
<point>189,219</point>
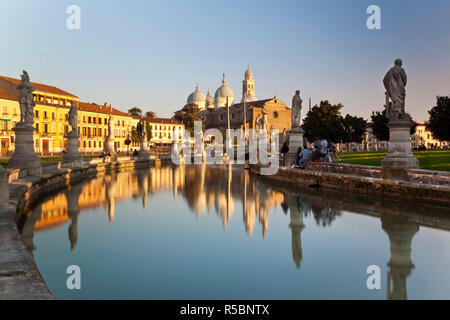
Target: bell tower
<point>248,85</point>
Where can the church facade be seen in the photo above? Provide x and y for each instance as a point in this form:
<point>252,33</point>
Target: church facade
<point>216,110</point>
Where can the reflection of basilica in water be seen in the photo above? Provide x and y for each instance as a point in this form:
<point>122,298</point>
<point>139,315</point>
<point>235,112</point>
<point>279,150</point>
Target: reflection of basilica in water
<point>220,190</point>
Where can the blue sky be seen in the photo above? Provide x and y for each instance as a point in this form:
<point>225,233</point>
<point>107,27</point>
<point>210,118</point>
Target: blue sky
<point>153,53</point>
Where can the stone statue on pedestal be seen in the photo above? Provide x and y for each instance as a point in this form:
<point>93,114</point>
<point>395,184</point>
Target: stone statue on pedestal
<point>264,121</point>
<point>111,127</point>
<point>296,110</point>
<point>296,132</point>
<point>395,83</point>
<point>73,119</point>
<point>144,153</point>
<point>24,156</point>
<point>72,157</point>
<point>399,157</point>
<point>26,101</point>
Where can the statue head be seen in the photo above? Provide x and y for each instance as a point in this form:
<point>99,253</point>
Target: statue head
<point>25,77</point>
<point>398,62</point>
<point>297,92</point>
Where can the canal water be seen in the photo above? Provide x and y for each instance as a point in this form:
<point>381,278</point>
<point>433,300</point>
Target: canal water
<point>202,232</point>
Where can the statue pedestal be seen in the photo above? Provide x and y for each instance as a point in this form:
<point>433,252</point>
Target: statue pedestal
<point>4,195</point>
<point>144,152</point>
<point>73,156</point>
<point>399,156</point>
<point>24,156</point>
<point>109,143</point>
<point>295,141</point>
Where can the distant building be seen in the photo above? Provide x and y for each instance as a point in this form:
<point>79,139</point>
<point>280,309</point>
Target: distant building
<point>422,138</point>
<point>213,110</point>
<point>51,120</point>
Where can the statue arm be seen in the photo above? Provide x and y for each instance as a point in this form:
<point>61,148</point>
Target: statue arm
<point>404,77</point>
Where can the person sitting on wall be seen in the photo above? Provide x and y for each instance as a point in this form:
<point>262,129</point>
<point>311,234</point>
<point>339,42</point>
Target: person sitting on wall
<point>315,155</point>
<point>135,154</point>
<point>323,149</point>
<point>305,156</point>
<point>284,151</point>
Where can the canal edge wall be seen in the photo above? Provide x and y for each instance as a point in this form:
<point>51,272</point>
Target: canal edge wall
<point>423,186</point>
<point>20,278</point>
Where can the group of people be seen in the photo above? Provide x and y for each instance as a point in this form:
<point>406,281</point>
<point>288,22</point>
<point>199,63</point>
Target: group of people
<point>316,153</point>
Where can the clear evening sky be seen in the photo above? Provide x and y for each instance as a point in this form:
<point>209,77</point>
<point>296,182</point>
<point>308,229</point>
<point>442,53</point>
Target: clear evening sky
<point>153,53</point>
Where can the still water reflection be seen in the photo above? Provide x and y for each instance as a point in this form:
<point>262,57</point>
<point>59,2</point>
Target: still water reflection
<point>200,232</point>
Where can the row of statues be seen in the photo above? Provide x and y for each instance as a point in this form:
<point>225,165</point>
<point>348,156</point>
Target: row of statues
<point>394,83</point>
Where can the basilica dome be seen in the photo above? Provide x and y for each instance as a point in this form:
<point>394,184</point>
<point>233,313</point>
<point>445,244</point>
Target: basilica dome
<point>249,98</point>
<point>197,98</point>
<point>221,95</point>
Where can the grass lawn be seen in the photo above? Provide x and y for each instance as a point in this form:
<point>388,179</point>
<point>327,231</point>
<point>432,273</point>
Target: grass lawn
<point>4,162</point>
<point>431,160</point>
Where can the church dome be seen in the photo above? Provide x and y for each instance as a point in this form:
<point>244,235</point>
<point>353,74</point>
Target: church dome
<point>249,98</point>
<point>196,97</point>
<point>224,92</point>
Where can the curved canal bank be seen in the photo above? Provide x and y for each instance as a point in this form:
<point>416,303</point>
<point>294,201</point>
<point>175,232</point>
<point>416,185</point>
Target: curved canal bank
<point>19,277</point>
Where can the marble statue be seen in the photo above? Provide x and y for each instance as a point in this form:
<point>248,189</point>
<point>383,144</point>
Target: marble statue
<point>264,121</point>
<point>73,118</point>
<point>296,110</point>
<point>395,83</point>
<point>26,100</point>
<point>111,127</point>
<point>258,123</point>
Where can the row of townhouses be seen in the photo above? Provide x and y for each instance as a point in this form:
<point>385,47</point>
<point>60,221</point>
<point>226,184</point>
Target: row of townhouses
<point>51,121</point>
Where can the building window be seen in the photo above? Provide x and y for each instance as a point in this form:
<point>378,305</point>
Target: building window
<point>45,114</point>
<point>275,114</point>
<point>37,114</point>
<point>45,128</point>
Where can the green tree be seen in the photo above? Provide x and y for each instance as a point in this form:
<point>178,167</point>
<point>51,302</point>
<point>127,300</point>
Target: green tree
<point>134,135</point>
<point>380,126</point>
<point>188,115</point>
<point>150,114</point>
<point>354,129</point>
<point>135,111</point>
<point>148,131</point>
<point>324,121</point>
<point>439,121</point>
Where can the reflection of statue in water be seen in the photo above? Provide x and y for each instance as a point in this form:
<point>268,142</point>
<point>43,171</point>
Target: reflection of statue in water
<point>26,100</point>
<point>324,215</point>
<point>400,234</point>
<point>395,83</point>
<point>73,211</point>
<point>294,202</point>
<point>27,231</point>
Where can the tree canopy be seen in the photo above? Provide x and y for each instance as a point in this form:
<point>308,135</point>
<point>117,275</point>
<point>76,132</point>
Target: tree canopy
<point>439,121</point>
<point>380,126</point>
<point>354,129</point>
<point>135,111</point>
<point>188,115</point>
<point>324,121</point>
<point>150,114</point>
